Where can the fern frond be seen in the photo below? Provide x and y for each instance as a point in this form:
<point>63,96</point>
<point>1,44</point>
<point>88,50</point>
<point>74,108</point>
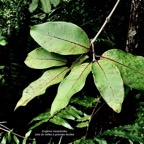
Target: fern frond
<point>69,113</point>
<point>131,132</point>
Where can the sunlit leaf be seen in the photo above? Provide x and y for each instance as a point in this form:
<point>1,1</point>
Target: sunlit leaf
<point>73,111</point>
<point>16,140</point>
<point>26,136</point>
<point>3,141</point>
<point>38,87</point>
<point>39,123</point>
<point>46,5</point>
<point>72,84</point>
<point>9,136</point>
<point>3,41</point>
<point>60,121</point>
<point>100,141</point>
<point>83,124</point>
<point>66,115</point>
<point>108,81</point>
<point>85,118</point>
<point>131,67</point>
<point>55,2</point>
<point>61,37</point>
<point>40,59</point>
<point>33,5</point>
<point>44,115</point>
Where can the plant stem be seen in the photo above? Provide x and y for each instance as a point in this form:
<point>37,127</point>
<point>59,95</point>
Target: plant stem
<point>104,24</point>
<point>6,129</point>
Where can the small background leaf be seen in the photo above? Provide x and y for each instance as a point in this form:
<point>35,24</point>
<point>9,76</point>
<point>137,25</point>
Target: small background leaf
<point>41,59</point>
<point>108,81</point>
<point>73,83</point>
<point>55,2</point>
<point>46,5</point>
<point>33,5</point>
<point>61,37</point>
<point>3,41</point>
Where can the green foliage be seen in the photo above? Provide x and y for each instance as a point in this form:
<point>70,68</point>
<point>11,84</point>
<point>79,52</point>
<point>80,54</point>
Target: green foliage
<point>65,39</point>
<point>130,132</point>
<point>89,141</point>
<point>3,40</point>
<point>13,138</point>
<point>69,113</point>
<point>46,5</point>
<point>52,60</point>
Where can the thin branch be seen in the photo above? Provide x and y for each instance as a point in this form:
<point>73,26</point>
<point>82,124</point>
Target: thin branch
<point>106,21</point>
<point>6,129</point>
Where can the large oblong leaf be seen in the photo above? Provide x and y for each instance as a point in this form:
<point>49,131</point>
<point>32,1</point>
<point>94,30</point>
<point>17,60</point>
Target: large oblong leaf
<point>131,67</point>
<point>73,83</point>
<point>108,81</point>
<point>38,87</point>
<point>41,59</point>
<point>61,37</point>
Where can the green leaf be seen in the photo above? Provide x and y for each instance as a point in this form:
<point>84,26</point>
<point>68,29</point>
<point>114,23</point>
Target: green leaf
<point>38,87</point>
<point>44,115</point>
<point>82,124</point>
<point>61,37</point>
<point>85,118</point>
<point>26,136</point>
<point>3,141</point>
<point>123,134</point>
<point>46,6</point>
<point>41,59</point>
<point>9,136</point>
<point>73,111</point>
<point>33,5</point>
<point>66,115</point>
<point>100,141</point>
<point>3,41</point>
<point>39,123</point>
<point>108,81</point>
<point>131,67</point>
<point>55,2</point>
<point>16,140</point>
<point>72,84</point>
<point>60,121</point>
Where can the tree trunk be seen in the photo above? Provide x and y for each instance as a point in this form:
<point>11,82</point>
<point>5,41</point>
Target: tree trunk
<point>135,39</point>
